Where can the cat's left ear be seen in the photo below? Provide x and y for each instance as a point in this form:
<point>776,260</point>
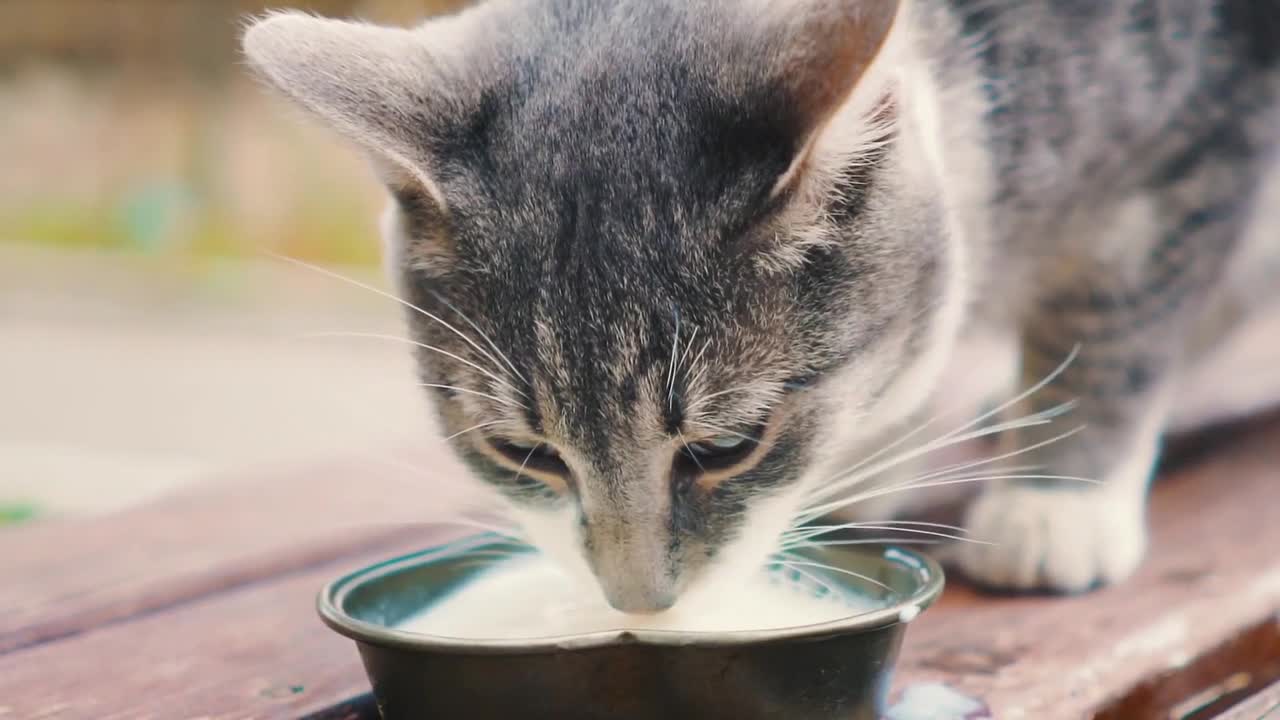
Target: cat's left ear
<point>390,90</point>
<point>375,85</point>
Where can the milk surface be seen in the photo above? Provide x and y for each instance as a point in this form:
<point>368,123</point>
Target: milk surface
<point>530,597</point>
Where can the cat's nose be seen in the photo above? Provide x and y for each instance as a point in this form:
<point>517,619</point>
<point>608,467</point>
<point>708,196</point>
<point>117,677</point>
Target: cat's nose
<point>629,549</point>
<point>634,579</point>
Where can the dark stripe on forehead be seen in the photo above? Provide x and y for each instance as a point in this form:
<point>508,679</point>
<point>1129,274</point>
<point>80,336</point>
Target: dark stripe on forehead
<point>532,416</point>
<point>673,412</point>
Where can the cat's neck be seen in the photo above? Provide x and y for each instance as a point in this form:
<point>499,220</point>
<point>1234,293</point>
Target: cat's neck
<point>943,141</point>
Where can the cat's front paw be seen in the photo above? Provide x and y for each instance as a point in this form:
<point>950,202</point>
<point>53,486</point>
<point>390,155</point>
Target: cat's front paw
<point>1059,539</point>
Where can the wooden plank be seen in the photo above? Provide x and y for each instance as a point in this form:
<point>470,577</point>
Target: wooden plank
<point>1213,573</point>
<point>256,652</point>
<point>177,650</point>
<point>1214,682</point>
<point>1264,705</point>
<point>64,577</point>
<point>243,653</point>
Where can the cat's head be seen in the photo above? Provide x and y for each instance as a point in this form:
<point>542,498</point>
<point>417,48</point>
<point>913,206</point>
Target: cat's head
<point>664,254</point>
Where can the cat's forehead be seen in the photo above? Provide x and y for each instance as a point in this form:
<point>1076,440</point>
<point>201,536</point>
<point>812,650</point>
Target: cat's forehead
<point>645,378</point>
<point>615,170</point>
<point>615,354</point>
<point>621,113</point>
<point>598,194</point>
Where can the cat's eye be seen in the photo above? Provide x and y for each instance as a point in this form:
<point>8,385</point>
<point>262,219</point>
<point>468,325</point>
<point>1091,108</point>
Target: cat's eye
<point>530,454</point>
<point>718,452</point>
<point>719,445</point>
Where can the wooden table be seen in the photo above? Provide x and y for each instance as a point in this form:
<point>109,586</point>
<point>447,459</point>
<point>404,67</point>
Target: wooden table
<point>201,605</point>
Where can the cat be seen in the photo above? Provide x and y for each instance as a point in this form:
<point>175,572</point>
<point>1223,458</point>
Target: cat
<point>674,265</point>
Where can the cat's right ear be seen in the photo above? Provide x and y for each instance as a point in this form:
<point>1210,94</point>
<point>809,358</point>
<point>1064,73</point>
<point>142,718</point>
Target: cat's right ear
<point>824,66</point>
<point>384,88</point>
<point>822,49</point>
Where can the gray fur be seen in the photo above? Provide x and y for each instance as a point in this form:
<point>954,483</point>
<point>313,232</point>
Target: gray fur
<point>605,189</point>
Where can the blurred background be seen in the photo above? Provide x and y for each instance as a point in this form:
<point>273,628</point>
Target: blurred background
<point>146,340</point>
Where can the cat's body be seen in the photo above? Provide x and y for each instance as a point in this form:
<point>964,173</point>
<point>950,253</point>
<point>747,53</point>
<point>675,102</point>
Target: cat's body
<point>1124,145</point>
<point>1089,111</point>
<point>713,252</point>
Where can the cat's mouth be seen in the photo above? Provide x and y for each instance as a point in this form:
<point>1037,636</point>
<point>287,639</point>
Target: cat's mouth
<point>639,573</point>
<point>649,602</point>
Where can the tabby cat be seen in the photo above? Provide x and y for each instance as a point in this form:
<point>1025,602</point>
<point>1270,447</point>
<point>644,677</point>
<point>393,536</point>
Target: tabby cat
<point>676,266</point>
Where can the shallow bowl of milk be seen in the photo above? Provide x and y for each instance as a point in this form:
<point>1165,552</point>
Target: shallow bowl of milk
<point>481,628</point>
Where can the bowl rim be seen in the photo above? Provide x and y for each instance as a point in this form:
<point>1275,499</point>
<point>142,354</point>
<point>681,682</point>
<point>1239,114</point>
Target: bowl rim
<point>330,599</point>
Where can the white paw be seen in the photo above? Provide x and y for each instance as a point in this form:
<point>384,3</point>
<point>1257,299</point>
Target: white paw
<point>1060,539</point>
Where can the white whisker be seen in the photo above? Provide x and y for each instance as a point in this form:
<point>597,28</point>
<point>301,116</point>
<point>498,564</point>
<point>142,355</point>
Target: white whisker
<point>864,541</point>
<point>532,450</point>
<point>1053,375</point>
<point>692,455</point>
<point>440,298</point>
<point>947,440</point>
<point>727,431</point>
<point>822,566</point>
<point>845,502</point>
<point>813,512</point>
<point>1005,456</point>
<point>390,296</point>
<point>671,371</point>
<point>455,388</point>
<point>688,345</point>
<point>460,433</point>
<point>697,375</point>
<point>833,488</point>
<point>511,532</point>
<point>914,531</point>
<point>851,475</point>
<point>408,341</point>
<point>711,396</point>
<point>862,463</point>
<point>807,529</point>
<point>954,468</point>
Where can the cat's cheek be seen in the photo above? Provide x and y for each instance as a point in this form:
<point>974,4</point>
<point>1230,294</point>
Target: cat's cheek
<point>748,550</point>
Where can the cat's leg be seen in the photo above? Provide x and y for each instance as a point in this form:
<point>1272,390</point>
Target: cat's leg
<point>1127,311</point>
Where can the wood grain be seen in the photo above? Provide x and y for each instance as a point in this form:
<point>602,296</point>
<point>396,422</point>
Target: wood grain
<point>64,577</point>
<point>256,652</point>
<point>201,606</point>
<point>1264,705</point>
<point>1211,684</point>
<point>1213,573</point>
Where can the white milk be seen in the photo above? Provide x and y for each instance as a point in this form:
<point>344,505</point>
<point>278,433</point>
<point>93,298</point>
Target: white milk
<point>529,597</point>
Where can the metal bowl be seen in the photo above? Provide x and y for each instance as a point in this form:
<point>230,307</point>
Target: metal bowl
<point>839,669</point>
